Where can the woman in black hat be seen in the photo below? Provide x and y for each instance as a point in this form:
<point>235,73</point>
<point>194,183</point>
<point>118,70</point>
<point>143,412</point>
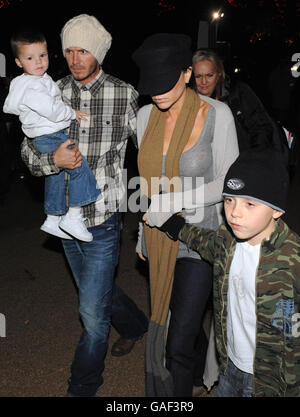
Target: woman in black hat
<point>180,136</point>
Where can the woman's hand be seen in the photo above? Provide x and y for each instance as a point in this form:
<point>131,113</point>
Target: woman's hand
<point>162,207</point>
<point>141,256</point>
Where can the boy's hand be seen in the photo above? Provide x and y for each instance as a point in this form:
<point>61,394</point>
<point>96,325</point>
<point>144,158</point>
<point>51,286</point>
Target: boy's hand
<point>80,115</point>
<point>67,158</point>
<point>173,226</point>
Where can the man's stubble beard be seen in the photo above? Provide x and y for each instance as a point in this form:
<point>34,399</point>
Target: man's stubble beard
<point>89,75</point>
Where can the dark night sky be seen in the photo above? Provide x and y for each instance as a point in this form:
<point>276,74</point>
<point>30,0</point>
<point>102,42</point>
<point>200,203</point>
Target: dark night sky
<point>128,22</point>
<point>131,21</point>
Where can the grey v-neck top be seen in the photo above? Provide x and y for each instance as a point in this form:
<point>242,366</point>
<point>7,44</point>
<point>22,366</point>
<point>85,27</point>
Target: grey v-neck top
<point>198,162</point>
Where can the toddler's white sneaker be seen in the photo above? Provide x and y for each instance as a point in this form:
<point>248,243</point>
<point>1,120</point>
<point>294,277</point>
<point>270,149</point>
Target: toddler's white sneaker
<point>51,225</point>
<point>74,225</point>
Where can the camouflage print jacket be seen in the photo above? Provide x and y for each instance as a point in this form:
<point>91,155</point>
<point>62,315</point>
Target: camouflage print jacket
<point>277,352</point>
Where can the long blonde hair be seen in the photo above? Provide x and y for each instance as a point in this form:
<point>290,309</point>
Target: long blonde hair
<point>212,56</point>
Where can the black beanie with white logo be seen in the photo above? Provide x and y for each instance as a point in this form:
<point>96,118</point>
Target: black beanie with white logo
<point>260,175</point>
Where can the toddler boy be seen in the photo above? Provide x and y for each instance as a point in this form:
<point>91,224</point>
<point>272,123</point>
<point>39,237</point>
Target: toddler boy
<point>36,99</point>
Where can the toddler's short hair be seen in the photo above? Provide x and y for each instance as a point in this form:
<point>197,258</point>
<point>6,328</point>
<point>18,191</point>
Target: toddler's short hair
<point>25,37</point>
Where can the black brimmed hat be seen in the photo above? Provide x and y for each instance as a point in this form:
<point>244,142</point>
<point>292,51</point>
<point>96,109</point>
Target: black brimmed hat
<point>260,175</point>
<point>161,58</point>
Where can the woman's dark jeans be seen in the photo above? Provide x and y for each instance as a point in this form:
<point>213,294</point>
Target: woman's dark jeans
<point>186,343</point>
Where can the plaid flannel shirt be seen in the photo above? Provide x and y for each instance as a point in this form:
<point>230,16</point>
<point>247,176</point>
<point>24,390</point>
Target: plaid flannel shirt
<point>102,139</point>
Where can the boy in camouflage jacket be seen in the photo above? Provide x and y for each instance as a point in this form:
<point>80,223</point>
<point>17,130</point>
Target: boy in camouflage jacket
<point>255,194</point>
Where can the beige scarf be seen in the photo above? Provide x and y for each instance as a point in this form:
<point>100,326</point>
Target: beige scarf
<point>162,251</point>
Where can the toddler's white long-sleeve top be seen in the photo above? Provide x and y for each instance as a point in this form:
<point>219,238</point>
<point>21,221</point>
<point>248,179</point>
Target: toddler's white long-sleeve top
<point>38,103</point>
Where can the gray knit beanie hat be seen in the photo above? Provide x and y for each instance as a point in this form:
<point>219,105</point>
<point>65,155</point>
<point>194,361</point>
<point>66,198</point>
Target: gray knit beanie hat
<point>86,32</point>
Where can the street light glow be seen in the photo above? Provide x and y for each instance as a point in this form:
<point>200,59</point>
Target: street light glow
<point>217,15</point>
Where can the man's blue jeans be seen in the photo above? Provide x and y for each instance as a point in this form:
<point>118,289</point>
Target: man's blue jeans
<point>100,300</point>
<point>82,187</point>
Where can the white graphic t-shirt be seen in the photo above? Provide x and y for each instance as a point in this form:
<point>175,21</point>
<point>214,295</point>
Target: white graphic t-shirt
<point>241,313</point>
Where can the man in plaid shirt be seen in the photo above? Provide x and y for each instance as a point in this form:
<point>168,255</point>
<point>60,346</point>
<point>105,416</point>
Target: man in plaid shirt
<point>102,139</point>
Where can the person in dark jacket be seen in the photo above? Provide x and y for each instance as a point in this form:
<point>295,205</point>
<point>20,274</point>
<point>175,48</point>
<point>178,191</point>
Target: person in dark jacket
<point>254,126</point>
<point>284,88</point>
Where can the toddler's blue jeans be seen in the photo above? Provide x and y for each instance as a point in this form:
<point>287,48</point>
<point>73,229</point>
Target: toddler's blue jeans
<point>82,187</point>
